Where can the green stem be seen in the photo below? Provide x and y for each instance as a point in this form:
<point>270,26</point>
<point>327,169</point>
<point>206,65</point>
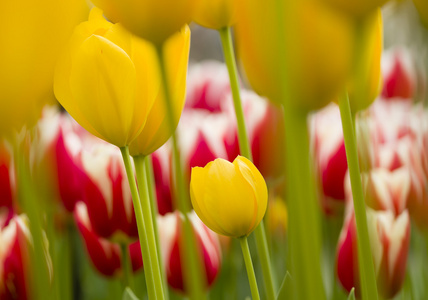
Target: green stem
<point>145,229</point>
<point>365,260</point>
<point>145,182</point>
<point>249,266</point>
<point>128,280</point>
<point>244,146</point>
<point>194,278</point>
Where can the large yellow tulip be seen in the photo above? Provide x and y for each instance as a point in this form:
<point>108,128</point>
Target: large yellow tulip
<point>152,20</point>
<point>230,198</point>
<point>216,14</point>
<point>358,8</point>
<point>107,80</point>
<point>32,33</point>
<point>318,43</point>
<point>157,131</point>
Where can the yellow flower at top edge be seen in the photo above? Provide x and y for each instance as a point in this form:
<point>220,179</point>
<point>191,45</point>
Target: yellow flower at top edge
<point>318,45</point>
<point>216,14</point>
<point>230,198</point>
<point>154,21</point>
<point>107,80</point>
<point>32,35</point>
<point>357,8</point>
<point>157,131</point>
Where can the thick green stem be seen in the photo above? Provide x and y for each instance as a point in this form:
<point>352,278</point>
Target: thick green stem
<point>145,182</point>
<point>128,280</point>
<point>244,146</point>
<point>249,266</point>
<point>193,275</point>
<point>365,260</point>
<point>145,233</point>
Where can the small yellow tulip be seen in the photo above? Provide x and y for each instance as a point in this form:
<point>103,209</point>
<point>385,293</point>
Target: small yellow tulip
<point>107,80</point>
<point>357,8</point>
<point>154,21</point>
<point>32,35</point>
<point>366,84</point>
<point>230,198</point>
<point>157,131</point>
<point>318,42</point>
<point>216,14</point>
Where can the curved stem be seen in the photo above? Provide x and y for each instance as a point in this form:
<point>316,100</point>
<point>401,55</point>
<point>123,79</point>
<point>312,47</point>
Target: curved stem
<point>365,260</point>
<point>244,146</point>
<point>128,280</point>
<point>249,266</point>
<point>144,179</point>
<point>194,278</point>
<point>144,223</point>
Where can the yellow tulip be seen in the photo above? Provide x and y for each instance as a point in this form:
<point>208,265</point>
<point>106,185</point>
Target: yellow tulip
<point>230,198</point>
<point>366,81</point>
<point>318,43</point>
<point>358,8</point>
<point>154,21</point>
<point>157,131</point>
<point>422,7</point>
<point>32,34</point>
<point>107,80</point>
<point>216,14</point>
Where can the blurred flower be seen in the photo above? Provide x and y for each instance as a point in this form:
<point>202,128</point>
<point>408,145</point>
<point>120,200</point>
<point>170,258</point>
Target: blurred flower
<point>170,234</point>
<point>156,130</point>
<point>106,193</point>
<point>230,198</point>
<point>277,216</point>
<point>162,173</point>
<point>422,7</point>
<point>389,239</point>
<point>105,255</point>
<point>365,83</point>
<point>317,76</point>
<point>399,74</point>
<point>55,152</point>
<point>216,14</point>
<point>7,176</point>
<point>32,33</point>
<point>155,21</point>
<point>14,239</point>
<point>330,157</point>
<point>96,80</point>
<point>357,8</point>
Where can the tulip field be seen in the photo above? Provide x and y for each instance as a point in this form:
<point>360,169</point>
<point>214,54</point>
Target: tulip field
<point>214,149</point>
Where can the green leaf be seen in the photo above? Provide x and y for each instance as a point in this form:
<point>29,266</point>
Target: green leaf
<point>351,295</point>
<point>128,294</point>
<point>285,288</point>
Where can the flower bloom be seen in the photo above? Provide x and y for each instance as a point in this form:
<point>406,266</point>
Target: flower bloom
<point>170,234</point>
<point>230,198</point>
<point>154,21</point>
<point>216,14</point>
<point>32,34</point>
<point>107,80</point>
<point>389,240</point>
<point>261,27</point>
<point>105,255</point>
<point>106,193</point>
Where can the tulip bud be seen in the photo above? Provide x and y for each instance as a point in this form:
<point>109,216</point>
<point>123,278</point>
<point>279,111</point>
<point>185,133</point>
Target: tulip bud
<point>32,34</point>
<point>317,75</point>
<point>106,193</point>
<point>154,21</point>
<point>216,14</point>
<point>230,198</point>
<point>389,240</point>
<point>96,80</point>
<point>399,74</point>
<point>170,236</point>
<point>156,130</point>
<point>105,255</point>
